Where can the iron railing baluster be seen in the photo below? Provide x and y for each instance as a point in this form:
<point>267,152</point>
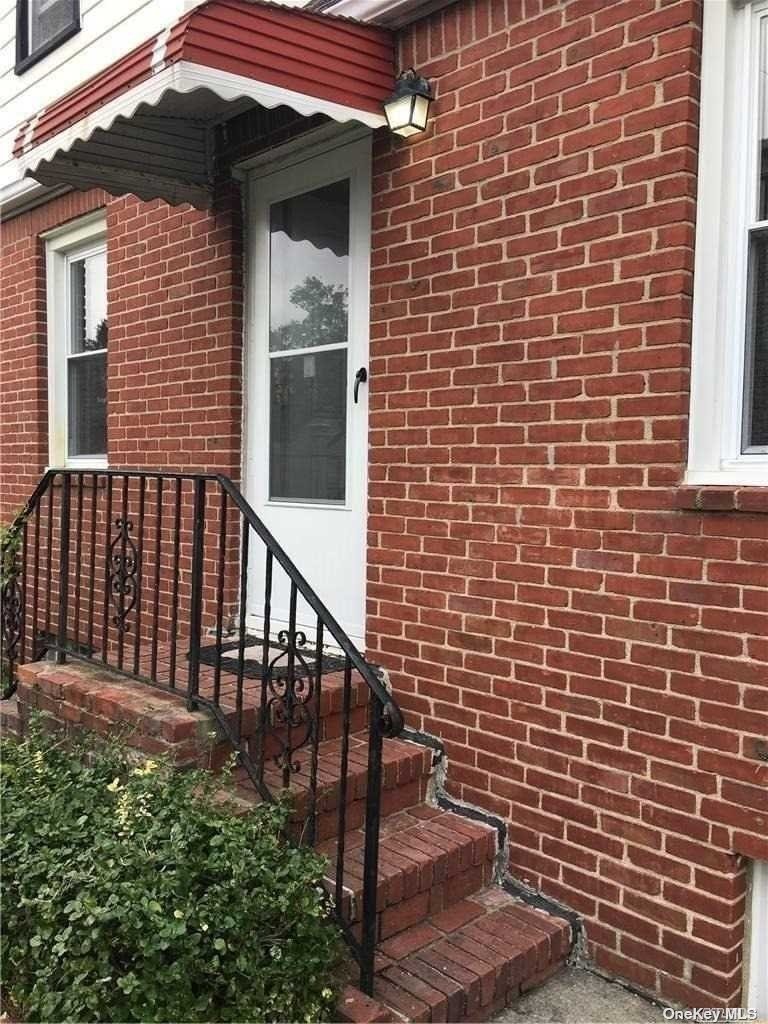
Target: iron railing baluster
<point>265,661</point>
<point>314,737</point>
<point>246,534</point>
<point>24,578</point>
<point>78,560</point>
<point>64,531</point>
<point>289,698</point>
<point>36,586</point>
<point>49,566</point>
<point>139,575</point>
<point>196,594</point>
<point>346,712</point>
<point>92,559</point>
<point>156,588</point>
<point>118,582</point>
<point>371,847</point>
<point>220,575</point>
<point>175,583</point>
<point>107,572</point>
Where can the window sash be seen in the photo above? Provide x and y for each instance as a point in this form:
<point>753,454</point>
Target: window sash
<point>81,422</point>
<point>755,387</point>
<point>727,218</point>
<point>65,245</point>
<point>30,50</point>
<point>755,376</point>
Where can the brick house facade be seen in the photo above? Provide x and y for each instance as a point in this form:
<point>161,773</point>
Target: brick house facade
<point>585,633</point>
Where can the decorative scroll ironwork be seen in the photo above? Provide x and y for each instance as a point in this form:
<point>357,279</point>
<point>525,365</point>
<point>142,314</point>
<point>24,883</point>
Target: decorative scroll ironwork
<point>11,626</point>
<point>289,716</point>
<point>123,564</point>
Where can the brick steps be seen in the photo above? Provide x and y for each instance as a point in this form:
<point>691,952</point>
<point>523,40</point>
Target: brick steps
<point>406,769</point>
<point>450,946</point>
<point>466,963</point>
<point>330,705</point>
<point>428,860</point>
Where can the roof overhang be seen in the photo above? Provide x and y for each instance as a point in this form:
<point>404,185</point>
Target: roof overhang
<point>144,125</point>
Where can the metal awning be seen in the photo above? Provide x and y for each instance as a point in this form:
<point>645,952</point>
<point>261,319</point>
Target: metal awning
<point>144,124</point>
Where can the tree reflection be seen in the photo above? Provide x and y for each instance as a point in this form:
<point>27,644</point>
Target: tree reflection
<point>325,321</point>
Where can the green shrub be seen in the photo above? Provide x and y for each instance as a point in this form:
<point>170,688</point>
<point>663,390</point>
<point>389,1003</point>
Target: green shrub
<point>10,545</point>
<point>130,894</point>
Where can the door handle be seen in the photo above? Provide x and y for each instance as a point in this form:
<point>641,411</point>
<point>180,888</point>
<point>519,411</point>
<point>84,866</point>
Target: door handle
<point>360,378</point>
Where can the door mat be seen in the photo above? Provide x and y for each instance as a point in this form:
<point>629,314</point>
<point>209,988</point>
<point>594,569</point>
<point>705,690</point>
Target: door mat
<point>306,665</point>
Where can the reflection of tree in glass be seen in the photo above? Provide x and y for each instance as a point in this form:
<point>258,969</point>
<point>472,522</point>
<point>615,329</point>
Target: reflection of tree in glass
<point>99,342</point>
<point>326,319</point>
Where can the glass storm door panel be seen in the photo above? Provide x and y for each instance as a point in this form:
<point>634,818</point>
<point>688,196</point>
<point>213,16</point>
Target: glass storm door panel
<point>308,336</point>
<point>306,470</point>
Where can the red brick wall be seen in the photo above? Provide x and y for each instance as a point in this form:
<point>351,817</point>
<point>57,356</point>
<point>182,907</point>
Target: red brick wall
<point>174,370</point>
<point>587,647</point>
<point>175,337</point>
<point>175,334</point>
<point>24,346</point>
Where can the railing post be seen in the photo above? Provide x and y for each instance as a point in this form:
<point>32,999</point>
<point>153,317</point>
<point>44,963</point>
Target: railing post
<point>196,597</point>
<point>371,861</point>
<point>66,501</point>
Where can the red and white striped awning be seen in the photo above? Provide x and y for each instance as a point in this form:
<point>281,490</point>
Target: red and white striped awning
<point>143,125</point>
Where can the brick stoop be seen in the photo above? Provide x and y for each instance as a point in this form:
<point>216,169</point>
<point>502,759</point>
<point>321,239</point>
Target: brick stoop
<point>466,963</point>
<point>452,947</point>
<point>428,860</point>
<point>84,697</point>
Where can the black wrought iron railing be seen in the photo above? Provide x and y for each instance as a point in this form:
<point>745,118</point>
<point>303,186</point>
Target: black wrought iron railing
<point>173,580</point>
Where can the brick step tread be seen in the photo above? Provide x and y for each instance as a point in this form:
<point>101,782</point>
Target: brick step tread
<point>103,697</point>
<point>153,709</point>
<point>422,850</point>
<point>463,964</point>
<point>331,703</point>
<point>403,763</point>
<point>331,687</point>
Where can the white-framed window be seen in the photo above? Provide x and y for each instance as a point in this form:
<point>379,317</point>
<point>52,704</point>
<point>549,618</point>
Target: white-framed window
<point>729,385</point>
<point>42,26</point>
<point>76,270</point>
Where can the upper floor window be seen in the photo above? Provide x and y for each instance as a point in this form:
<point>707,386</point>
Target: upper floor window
<point>729,393</point>
<point>41,26</point>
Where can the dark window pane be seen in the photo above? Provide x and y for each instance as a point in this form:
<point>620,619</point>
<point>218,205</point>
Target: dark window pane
<point>762,134</point>
<point>47,18</point>
<point>88,295</point>
<point>88,405</point>
<point>309,269</point>
<point>308,426</point>
<point>756,367</point>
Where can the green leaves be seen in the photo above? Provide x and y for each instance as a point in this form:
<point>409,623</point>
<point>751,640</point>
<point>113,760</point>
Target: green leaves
<point>145,901</point>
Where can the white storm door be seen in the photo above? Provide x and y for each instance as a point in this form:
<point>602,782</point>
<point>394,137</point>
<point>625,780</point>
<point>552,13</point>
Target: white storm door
<point>308,313</point>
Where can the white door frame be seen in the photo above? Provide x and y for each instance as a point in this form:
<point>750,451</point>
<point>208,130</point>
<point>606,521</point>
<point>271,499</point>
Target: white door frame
<point>295,170</point>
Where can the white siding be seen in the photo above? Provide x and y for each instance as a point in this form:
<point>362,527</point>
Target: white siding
<point>109,30</point>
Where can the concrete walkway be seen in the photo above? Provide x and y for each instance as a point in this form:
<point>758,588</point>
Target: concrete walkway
<point>578,997</point>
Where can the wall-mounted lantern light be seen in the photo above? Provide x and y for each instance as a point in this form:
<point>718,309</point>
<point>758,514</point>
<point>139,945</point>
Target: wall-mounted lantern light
<point>407,108</point>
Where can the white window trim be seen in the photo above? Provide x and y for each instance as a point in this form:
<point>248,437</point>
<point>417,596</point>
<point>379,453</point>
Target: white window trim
<point>757,949</point>
<point>90,232</point>
<point>727,149</point>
